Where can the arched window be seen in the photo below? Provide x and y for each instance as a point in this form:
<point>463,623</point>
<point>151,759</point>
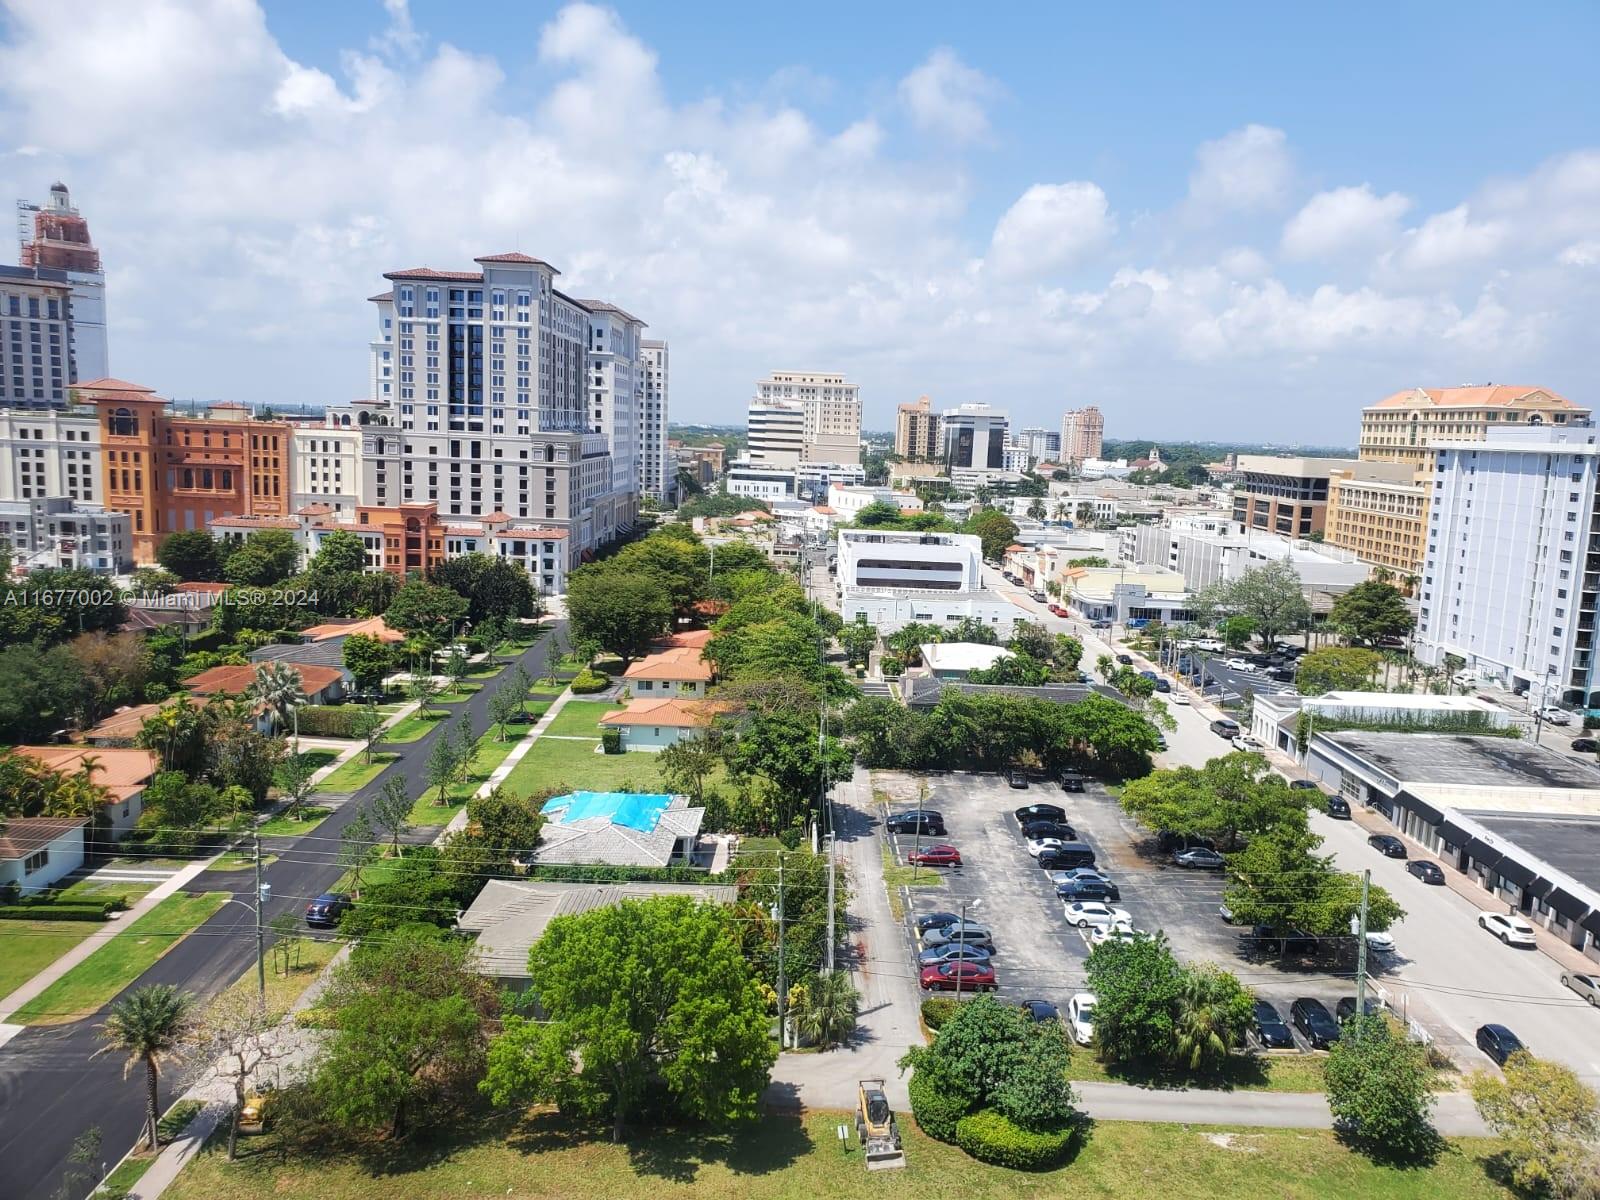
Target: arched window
<point>363,418</point>
<point>378,446</point>
<point>344,419</point>
<point>124,423</point>
<point>549,453</point>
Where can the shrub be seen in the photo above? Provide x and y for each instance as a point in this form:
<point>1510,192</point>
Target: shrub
<point>939,1111</point>
<point>97,911</point>
<point>611,740</point>
<point>588,680</point>
<point>936,1010</point>
<point>989,1137</point>
<point>322,720</point>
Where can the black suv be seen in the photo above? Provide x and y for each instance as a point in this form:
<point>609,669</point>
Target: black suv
<point>1066,856</point>
<point>1048,829</point>
<point>325,911</point>
<point>1089,889</point>
<point>1225,727</point>
<point>1498,1042</point>
<point>908,821</point>
<point>1315,1022</point>
<point>1072,782</point>
<point>1017,778</point>
<point>1346,1008</point>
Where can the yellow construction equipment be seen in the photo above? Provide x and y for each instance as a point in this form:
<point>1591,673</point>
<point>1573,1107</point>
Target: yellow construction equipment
<point>875,1128</point>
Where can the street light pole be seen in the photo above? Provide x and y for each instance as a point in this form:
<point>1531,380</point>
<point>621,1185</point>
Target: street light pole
<point>1361,952</point>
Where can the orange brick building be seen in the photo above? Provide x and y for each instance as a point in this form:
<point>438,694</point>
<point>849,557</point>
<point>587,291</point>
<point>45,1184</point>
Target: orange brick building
<point>171,473</point>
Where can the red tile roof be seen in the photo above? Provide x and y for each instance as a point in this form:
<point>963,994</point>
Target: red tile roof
<point>516,258</point>
<point>677,714</point>
<point>110,384</point>
<point>375,627</point>
<point>430,273</point>
<point>120,771</point>
<point>675,664</point>
<point>236,680</point>
<point>255,523</point>
<point>535,535</point>
<point>1489,395</point>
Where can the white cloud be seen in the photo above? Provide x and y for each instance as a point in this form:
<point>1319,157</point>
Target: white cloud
<point>1051,226</point>
<point>946,97</point>
<point>271,194</point>
<point>1343,220</point>
<point>1243,171</point>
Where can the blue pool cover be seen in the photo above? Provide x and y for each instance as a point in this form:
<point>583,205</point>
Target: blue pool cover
<point>636,810</point>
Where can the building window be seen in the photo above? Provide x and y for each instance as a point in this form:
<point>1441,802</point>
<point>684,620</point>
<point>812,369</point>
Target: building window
<point>35,861</point>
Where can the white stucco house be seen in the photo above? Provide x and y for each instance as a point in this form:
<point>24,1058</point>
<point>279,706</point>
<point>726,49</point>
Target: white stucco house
<point>657,724</point>
<point>38,852</point>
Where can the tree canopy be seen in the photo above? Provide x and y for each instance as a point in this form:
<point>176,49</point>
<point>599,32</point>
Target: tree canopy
<point>620,610</point>
<point>426,608</point>
<point>1371,611</point>
<point>1337,669</point>
<point>1236,794</point>
<point>994,529</point>
<point>493,587</point>
<point>192,555</point>
<point>1548,1122</point>
<point>1270,595</point>
<point>1380,1089</point>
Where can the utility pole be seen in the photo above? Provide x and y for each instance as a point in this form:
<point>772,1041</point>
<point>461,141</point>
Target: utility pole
<point>261,947</point>
<point>832,854</point>
<point>1361,950</point>
<point>783,986</point>
<point>960,962</point>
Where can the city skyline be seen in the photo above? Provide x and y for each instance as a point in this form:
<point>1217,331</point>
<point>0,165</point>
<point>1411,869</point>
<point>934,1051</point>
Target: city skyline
<point>921,220</point>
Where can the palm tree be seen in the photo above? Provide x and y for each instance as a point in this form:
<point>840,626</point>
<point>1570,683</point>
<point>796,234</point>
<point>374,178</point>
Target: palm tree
<point>1105,664</point>
<point>1036,509</point>
<point>278,689</point>
<point>829,1015</point>
<point>149,1026</point>
<point>1210,1017</point>
<point>1060,512</point>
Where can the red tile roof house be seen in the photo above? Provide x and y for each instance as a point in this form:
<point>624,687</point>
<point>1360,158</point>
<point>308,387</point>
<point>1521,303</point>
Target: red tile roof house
<point>319,685</point>
<point>38,852</point>
<point>657,724</point>
<point>122,771</point>
<point>675,671</point>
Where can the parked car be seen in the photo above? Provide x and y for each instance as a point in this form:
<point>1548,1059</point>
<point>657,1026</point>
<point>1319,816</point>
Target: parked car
<point>1303,785</point>
<point>1080,1017</point>
<point>1248,742</point>
<point>1089,889</point>
<point>1017,778</point>
<point>1179,698</point>
<point>1388,845</point>
<point>1041,1012</point>
<point>1585,745</point>
<point>1555,716</point>
<point>1238,664</point>
<point>1513,931</point>
<point>1346,1008</point>
<point>1167,841</point>
<point>1269,1028</point>
<point>1066,856</point>
<point>1426,871</point>
<point>1338,808</point>
<point>1036,846</point>
<point>1380,940</point>
<point>1587,986</point>
<point>1084,913</point>
<point>1163,687</point>
<point>928,819</point>
<point>970,934</point>
<point>1199,858</point>
<point>1039,812</point>
<point>936,920</point>
<point>1225,913</point>
<point>1498,1042</point>
<point>1075,874</point>
<point>1281,675</point>
<point>1125,660</point>
<point>1223,727</point>
<point>952,952</point>
<point>940,854</point>
<point>326,910</point>
<point>1314,1021</point>
<point>1283,941</point>
<point>1099,935</point>
<point>947,977</point>
<point>1055,829</point>
<point>1071,781</point>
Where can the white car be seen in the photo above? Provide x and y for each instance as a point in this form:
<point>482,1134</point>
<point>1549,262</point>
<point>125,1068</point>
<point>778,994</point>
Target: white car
<point>1086,913</point>
<point>1513,931</point>
<point>1037,845</point>
<point>1238,664</point>
<point>1120,932</point>
<point>1178,698</point>
<point>1555,716</point>
<point>1245,742</point>
<point>1381,942</point>
<point>1080,1017</point>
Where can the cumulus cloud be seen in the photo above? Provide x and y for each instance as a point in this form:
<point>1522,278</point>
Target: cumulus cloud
<point>1243,171</point>
<point>268,195</point>
<point>946,97</point>
<point>1052,226</point>
<point>1342,220</point>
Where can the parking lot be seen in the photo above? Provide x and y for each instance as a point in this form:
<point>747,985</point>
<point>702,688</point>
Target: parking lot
<point>1038,954</point>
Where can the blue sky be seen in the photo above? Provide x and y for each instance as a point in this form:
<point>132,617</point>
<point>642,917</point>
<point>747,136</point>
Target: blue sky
<point>1189,214</point>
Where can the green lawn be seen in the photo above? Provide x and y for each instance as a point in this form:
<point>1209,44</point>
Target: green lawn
<point>1247,1072</point>
<point>28,947</point>
<point>896,875</point>
<point>315,759</point>
<point>486,756</point>
<point>131,1169</point>
<point>240,860</point>
<point>354,775</point>
<point>107,889</point>
<point>487,669</point>
<point>581,718</point>
<point>289,975</point>
<point>787,1157</point>
<point>409,729</point>
<point>124,955</point>
<point>311,815</point>
<point>552,763</point>
<point>457,695</point>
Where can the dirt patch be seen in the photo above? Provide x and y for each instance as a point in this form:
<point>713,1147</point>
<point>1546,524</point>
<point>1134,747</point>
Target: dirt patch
<point>1234,1141</point>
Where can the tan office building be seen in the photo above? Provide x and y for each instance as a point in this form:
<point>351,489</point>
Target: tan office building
<point>916,431</point>
<point>1383,521</point>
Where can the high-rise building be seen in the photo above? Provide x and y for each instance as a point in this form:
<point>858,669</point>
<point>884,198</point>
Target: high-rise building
<point>916,431</point>
<point>656,470</point>
<point>831,408</point>
<point>1383,520</point>
<point>1511,569</point>
<point>49,452</point>
<point>1289,495</point>
<point>55,238</point>
<point>326,464</point>
<point>974,438</point>
<point>616,382</point>
<point>35,337</point>
<point>170,472</point>
<point>1083,432</point>
<point>1039,443</point>
<point>775,434</point>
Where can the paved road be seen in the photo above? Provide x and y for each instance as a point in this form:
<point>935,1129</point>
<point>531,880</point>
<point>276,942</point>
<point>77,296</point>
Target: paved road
<point>50,1090</point>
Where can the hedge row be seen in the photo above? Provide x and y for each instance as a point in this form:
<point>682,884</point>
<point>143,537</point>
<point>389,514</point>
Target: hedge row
<point>597,873</point>
<point>322,720</point>
<point>990,1137</point>
<point>56,912</point>
<point>586,681</point>
<point>937,1011</point>
<point>938,1113</point>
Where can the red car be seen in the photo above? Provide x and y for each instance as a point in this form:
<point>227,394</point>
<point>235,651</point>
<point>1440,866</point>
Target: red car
<point>1058,610</point>
<point>973,976</point>
<point>941,855</point>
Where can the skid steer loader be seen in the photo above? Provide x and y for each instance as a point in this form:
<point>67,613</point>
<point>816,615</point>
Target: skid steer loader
<point>875,1127</point>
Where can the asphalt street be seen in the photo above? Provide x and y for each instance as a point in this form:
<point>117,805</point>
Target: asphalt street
<point>51,1090</point>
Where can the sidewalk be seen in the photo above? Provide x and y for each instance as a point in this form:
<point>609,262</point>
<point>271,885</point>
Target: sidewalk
<point>498,776</point>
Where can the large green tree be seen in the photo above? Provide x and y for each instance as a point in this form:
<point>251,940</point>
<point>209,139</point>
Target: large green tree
<point>56,603</point>
<point>1380,1089</point>
<point>1212,1014</point>
<point>649,998</point>
<point>493,587</point>
<point>620,611</point>
<point>340,552</point>
<point>426,608</point>
<point>191,555</point>
<point>265,558</point>
<point>1136,985</point>
<point>1280,880</point>
<point>1548,1123</point>
<point>994,529</point>
<point>1236,794</point>
<point>368,658</point>
<point>780,746</point>
<point>1337,669</point>
<point>1371,611</point>
<point>39,691</point>
<point>681,563</point>
<point>1270,595</point>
